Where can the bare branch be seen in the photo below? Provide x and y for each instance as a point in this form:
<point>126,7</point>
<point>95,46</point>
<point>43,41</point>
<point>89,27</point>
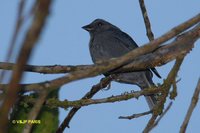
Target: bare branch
<point>53,69</point>
<point>136,115</point>
<point>162,115</point>
<point>193,104</point>
<point>166,86</point>
<point>111,99</point>
<point>104,82</point>
<point>147,56</point>
<point>159,57</point>
<point>187,39</point>
<point>142,62</point>
<point>30,40</point>
<point>150,123</point>
<point>35,110</point>
<point>18,24</point>
<point>28,87</point>
<point>146,20</point>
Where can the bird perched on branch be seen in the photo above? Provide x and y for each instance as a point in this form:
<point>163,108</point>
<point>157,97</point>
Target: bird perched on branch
<point>108,41</point>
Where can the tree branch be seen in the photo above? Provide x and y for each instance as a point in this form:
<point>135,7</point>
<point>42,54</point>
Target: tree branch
<point>162,115</point>
<point>35,110</point>
<point>159,57</point>
<point>48,69</point>
<point>138,58</point>
<point>103,83</point>
<point>18,24</point>
<point>186,40</point>
<point>146,20</point>
<point>29,42</point>
<point>85,102</point>
<point>136,115</point>
<point>193,104</point>
<point>157,110</point>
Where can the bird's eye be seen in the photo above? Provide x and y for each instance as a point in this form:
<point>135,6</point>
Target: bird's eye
<point>100,24</point>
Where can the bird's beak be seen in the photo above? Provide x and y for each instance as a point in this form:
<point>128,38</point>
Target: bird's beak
<point>87,27</point>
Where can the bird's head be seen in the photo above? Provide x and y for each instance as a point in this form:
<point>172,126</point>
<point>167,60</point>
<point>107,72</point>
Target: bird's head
<point>98,25</point>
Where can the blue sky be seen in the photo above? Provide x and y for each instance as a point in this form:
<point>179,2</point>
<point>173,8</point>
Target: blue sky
<point>64,42</point>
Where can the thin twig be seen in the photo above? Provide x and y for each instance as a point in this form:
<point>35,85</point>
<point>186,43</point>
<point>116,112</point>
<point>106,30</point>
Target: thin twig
<point>193,104</point>
<point>104,82</point>
<point>135,115</point>
<point>146,20</point>
<point>118,98</point>
<point>149,32</point>
<point>35,110</point>
<point>150,123</point>
<point>46,69</point>
<point>28,44</point>
<point>18,24</point>
<point>162,115</point>
<point>166,86</point>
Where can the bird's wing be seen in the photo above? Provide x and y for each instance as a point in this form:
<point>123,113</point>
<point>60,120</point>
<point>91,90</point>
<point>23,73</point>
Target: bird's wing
<point>115,44</point>
<point>131,44</point>
<point>110,45</point>
<point>125,40</point>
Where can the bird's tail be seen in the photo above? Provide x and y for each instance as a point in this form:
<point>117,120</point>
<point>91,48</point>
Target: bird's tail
<point>151,99</point>
<point>143,79</point>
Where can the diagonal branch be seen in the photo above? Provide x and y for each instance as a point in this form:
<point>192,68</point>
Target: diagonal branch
<point>136,115</point>
<point>35,110</point>
<point>28,44</point>
<point>193,104</point>
<point>146,20</point>
<point>138,62</point>
<point>96,88</point>
<point>18,25</point>
<point>157,110</point>
<point>162,115</point>
<point>159,57</point>
<point>96,69</point>
<point>186,40</point>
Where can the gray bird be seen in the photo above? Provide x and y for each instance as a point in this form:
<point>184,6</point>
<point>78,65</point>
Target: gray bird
<point>108,41</point>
